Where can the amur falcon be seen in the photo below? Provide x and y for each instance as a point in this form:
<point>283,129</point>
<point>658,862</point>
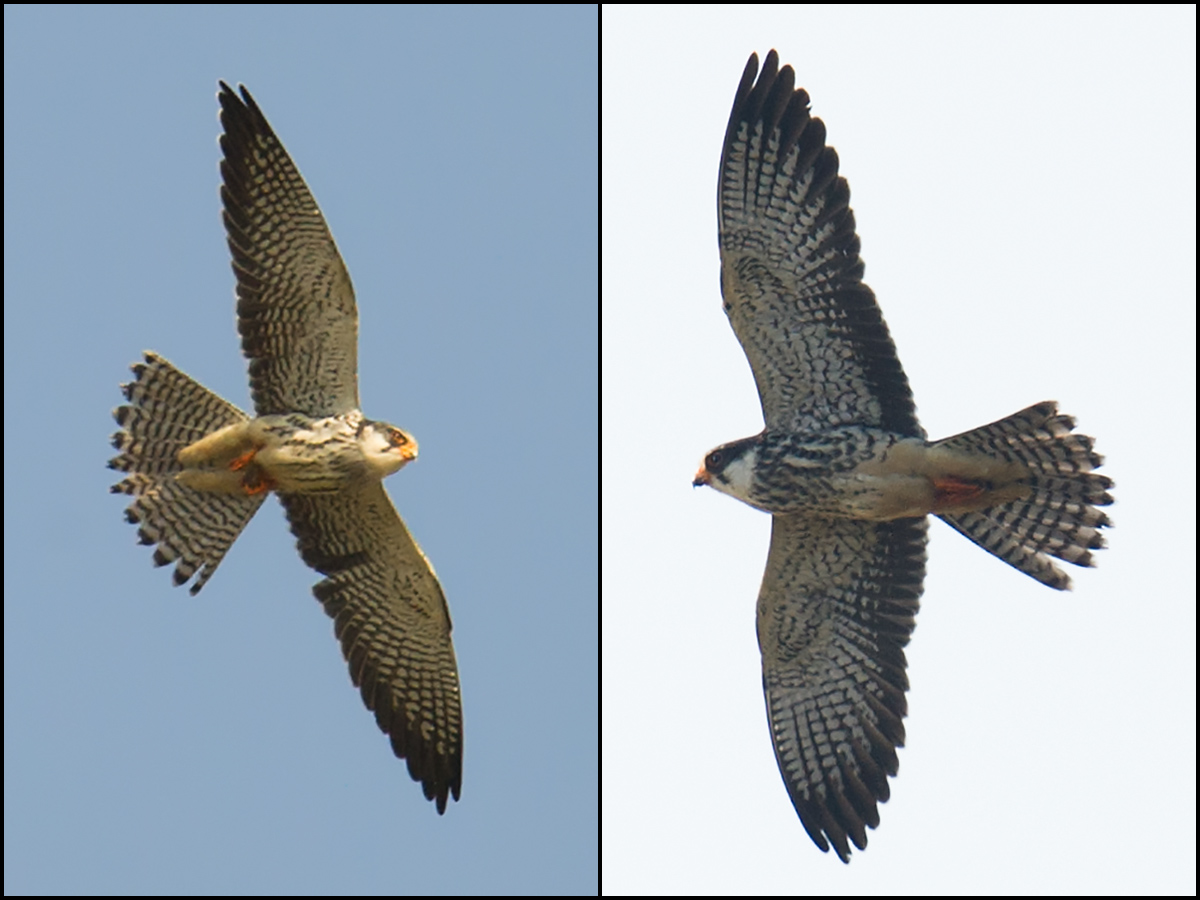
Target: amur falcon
<point>846,471</point>
<point>198,468</point>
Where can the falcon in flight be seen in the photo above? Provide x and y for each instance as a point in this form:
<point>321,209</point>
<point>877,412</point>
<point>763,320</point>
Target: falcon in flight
<point>845,469</point>
<point>198,468</point>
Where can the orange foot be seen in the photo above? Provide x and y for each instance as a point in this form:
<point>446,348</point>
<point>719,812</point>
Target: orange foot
<point>244,460</point>
<point>253,480</point>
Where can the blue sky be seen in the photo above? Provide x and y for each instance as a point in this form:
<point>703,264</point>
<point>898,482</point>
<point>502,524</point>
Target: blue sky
<point>160,743</point>
<point>1024,182</point>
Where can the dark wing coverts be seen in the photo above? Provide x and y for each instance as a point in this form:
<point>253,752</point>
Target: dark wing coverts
<point>790,272</point>
<point>296,310</point>
<point>839,597</point>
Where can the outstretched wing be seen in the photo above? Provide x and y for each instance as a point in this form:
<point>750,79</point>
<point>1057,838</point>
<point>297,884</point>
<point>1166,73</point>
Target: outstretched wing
<point>835,611</point>
<point>391,618</point>
<point>790,271</point>
<point>296,310</point>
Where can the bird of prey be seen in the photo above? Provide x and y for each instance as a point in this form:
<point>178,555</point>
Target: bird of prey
<point>846,471</point>
<point>198,467</point>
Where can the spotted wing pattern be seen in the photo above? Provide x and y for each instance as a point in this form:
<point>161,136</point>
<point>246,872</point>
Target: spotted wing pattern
<point>296,309</point>
<point>836,609</point>
<point>791,276</point>
<point>393,623</point>
<point>167,411</point>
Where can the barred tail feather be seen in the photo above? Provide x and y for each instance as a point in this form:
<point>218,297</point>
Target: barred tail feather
<point>167,411</point>
<point>1059,518</point>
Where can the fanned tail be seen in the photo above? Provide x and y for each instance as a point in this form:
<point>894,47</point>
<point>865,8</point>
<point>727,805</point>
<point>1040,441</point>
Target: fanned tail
<point>1059,518</point>
<point>167,411</point>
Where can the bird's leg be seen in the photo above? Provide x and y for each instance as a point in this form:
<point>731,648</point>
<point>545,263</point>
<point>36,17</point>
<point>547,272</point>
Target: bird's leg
<point>253,479</point>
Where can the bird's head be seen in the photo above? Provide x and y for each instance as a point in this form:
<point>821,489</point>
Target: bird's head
<point>730,468</point>
<point>385,447</point>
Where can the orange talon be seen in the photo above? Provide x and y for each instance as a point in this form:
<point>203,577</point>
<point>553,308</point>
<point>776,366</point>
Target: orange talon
<point>253,482</point>
<point>242,461</point>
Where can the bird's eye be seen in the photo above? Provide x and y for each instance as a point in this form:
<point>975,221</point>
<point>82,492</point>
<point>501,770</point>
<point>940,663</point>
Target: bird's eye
<point>714,460</point>
<point>397,437</point>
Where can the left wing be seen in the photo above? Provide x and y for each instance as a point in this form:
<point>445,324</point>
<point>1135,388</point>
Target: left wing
<point>391,617</point>
<point>837,606</point>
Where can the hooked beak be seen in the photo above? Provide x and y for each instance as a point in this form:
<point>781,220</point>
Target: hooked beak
<point>702,477</point>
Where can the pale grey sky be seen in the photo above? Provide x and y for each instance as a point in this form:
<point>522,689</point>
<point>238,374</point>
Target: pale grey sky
<point>1023,181</point>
